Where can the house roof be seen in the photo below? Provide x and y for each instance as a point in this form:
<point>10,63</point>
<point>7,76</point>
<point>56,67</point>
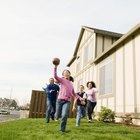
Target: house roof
<point>94,30</point>
<point>7,102</point>
<point>119,41</point>
<point>103,32</point>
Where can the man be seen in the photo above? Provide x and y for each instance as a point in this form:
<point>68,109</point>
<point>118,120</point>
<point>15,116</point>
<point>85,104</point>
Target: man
<point>51,92</point>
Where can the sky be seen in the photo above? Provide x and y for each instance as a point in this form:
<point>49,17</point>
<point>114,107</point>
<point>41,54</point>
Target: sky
<point>33,32</point>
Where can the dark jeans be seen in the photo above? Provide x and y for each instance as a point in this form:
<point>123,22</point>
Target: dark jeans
<point>51,108</point>
<point>90,108</point>
<point>62,110</point>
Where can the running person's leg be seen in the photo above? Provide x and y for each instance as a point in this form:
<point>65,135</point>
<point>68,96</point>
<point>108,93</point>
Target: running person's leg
<point>58,109</point>
<point>65,113</point>
<point>78,115</point>
<point>48,110</point>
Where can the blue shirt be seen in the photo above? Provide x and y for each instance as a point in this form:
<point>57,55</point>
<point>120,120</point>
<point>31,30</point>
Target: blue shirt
<point>52,95</point>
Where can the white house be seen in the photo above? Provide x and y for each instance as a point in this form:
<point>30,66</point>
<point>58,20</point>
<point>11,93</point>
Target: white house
<point>111,60</point>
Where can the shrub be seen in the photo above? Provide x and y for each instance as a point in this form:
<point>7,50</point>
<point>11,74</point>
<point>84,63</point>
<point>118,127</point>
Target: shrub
<point>106,115</point>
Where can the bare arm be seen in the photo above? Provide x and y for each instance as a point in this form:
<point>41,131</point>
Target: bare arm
<point>76,95</point>
<point>94,93</point>
<point>74,104</point>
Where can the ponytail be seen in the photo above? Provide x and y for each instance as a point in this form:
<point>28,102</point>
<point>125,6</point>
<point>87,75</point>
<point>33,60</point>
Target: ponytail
<point>71,79</point>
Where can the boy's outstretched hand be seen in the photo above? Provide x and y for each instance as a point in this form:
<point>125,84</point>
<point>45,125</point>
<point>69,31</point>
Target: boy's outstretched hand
<point>83,102</point>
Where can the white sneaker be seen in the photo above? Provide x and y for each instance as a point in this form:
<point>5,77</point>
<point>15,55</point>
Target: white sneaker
<point>89,121</point>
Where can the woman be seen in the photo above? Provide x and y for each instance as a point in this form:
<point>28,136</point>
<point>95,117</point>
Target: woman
<point>91,99</point>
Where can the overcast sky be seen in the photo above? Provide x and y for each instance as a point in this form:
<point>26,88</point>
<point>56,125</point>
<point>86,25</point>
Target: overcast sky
<point>32,32</point>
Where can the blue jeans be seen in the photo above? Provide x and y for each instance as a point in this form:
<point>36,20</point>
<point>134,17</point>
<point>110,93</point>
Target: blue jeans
<point>90,108</point>
<point>62,110</point>
<point>50,111</point>
<point>81,112</point>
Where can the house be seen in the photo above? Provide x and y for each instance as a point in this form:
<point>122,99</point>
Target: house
<point>8,103</point>
<point>1,100</point>
<point>111,60</point>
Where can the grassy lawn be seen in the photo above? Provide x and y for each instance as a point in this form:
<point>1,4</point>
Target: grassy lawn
<point>37,129</point>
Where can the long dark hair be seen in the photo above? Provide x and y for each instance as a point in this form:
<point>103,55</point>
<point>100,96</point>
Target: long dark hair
<point>93,84</point>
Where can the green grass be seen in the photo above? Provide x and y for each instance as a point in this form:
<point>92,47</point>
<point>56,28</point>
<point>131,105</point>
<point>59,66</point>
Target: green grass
<point>37,129</point>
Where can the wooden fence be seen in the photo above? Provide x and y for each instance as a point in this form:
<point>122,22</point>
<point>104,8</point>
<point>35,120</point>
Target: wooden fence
<point>38,105</point>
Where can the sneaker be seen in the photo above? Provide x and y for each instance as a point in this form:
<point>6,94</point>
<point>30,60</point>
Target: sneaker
<point>56,120</point>
<point>52,117</point>
<point>89,121</point>
<point>77,125</point>
<point>61,131</point>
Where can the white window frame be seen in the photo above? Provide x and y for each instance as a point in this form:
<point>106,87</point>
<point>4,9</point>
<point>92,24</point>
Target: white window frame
<point>88,52</point>
<point>106,80</point>
<point>78,62</point>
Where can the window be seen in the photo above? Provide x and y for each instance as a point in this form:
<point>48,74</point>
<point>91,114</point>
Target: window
<point>78,63</point>
<point>106,78</point>
<point>88,52</point>
<point>85,55</point>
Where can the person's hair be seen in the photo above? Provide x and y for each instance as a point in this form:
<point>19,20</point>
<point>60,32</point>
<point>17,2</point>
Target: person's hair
<point>93,84</point>
<point>71,78</point>
<point>51,78</point>
<point>66,70</point>
<point>82,86</point>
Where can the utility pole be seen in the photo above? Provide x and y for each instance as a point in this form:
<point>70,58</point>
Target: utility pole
<point>11,92</point>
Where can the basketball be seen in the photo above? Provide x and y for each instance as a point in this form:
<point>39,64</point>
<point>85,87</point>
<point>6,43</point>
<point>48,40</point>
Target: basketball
<point>56,61</point>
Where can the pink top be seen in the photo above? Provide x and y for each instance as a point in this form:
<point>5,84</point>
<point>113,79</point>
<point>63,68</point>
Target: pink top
<point>91,94</point>
<point>66,88</point>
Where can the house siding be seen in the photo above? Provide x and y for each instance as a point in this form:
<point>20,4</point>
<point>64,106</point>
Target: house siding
<point>137,63</point>
<point>125,94</point>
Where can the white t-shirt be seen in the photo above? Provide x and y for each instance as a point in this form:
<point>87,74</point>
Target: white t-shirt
<point>91,94</point>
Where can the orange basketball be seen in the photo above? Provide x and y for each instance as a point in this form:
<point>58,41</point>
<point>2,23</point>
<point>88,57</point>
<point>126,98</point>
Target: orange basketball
<point>56,61</point>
